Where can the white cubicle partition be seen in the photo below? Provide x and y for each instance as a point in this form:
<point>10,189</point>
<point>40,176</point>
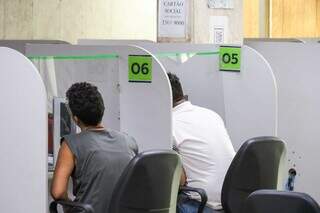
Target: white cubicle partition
<point>246,100</point>
<point>143,110</point>
<point>23,128</point>
<point>20,45</point>
<point>296,69</point>
<point>251,101</point>
<point>310,40</point>
<point>274,40</point>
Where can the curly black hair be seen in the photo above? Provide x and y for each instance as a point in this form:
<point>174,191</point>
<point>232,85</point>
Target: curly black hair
<point>177,92</point>
<point>85,102</point>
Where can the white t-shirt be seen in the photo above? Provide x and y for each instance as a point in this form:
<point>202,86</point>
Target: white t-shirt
<point>205,148</point>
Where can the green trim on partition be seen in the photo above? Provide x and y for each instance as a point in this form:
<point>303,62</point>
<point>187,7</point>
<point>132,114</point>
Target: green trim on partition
<point>76,57</point>
<point>208,53</point>
<point>113,56</point>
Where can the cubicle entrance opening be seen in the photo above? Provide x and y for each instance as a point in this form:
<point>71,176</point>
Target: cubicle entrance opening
<point>246,100</point>
<point>59,73</point>
<point>107,67</point>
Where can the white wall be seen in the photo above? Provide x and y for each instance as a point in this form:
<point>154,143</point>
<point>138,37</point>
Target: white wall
<point>202,20</point>
<point>70,20</point>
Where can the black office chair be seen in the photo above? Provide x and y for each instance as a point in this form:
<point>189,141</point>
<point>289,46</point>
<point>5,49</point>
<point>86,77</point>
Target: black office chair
<point>266,201</point>
<point>255,166</point>
<point>149,183</point>
<point>73,206</point>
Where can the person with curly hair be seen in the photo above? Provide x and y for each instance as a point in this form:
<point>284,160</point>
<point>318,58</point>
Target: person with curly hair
<point>93,158</point>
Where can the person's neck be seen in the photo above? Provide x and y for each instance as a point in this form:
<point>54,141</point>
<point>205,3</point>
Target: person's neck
<point>92,127</point>
<point>179,102</point>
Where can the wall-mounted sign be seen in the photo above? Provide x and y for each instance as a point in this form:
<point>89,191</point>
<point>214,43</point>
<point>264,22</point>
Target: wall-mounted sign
<point>219,29</point>
<point>221,4</point>
<point>140,68</point>
<point>230,58</point>
<point>172,18</point>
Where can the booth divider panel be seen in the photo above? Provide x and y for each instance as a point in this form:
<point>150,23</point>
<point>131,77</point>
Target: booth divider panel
<point>250,99</point>
<point>23,127</point>
<point>146,107</point>
<point>297,74</point>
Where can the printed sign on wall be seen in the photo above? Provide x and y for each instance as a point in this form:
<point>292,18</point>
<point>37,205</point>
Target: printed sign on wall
<point>219,29</point>
<point>172,18</point>
<point>221,4</point>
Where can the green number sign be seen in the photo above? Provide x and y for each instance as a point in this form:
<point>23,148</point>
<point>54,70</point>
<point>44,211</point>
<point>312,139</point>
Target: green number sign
<point>140,68</point>
<point>230,58</point>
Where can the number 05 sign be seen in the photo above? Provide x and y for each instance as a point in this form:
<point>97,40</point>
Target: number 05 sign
<point>140,68</point>
<point>230,58</point>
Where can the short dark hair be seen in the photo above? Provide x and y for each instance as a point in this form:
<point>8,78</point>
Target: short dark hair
<point>85,102</point>
<point>177,92</point>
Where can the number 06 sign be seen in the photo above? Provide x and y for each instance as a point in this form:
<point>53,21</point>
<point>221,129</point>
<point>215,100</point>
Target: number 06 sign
<point>230,58</point>
<point>140,68</point>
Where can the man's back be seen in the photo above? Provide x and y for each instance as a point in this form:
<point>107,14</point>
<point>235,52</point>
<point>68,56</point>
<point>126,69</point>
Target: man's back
<point>205,147</point>
<point>101,157</point>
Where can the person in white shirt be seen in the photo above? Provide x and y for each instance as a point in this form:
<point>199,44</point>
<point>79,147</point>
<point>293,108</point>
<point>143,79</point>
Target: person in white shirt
<point>206,151</point>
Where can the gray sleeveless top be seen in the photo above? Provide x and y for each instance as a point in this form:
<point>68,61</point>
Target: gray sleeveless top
<point>101,156</point>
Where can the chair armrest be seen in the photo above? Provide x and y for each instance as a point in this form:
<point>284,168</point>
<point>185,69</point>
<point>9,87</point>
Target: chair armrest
<point>201,192</point>
<point>85,207</point>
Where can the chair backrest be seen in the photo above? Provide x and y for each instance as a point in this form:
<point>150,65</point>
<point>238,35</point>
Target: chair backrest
<point>266,201</point>
<point>150,183</point>
<point>254,167</point>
